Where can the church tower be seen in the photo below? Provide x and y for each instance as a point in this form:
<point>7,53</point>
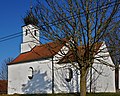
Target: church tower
<point>30,33</point>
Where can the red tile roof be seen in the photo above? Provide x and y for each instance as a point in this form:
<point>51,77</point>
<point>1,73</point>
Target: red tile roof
<point>39,52</point>
<point>47,51</point>
<point>3,86</point>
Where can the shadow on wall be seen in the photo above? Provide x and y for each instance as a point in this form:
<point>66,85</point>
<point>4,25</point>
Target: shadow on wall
<point>65,81</point>
<point>38,84</point>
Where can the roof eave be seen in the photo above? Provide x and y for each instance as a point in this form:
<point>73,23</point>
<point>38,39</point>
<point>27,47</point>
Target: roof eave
<point>30,60</point>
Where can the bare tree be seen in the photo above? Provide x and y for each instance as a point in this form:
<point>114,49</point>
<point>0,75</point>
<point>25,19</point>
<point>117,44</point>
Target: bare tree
<point>4,69</point>
<point>82,23</point>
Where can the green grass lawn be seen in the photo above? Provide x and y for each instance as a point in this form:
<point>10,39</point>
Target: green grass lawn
<point>89,94</point>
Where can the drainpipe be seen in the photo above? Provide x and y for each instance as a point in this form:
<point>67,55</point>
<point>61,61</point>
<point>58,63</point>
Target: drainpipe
<point>52,76</point>
<point>90,79</point>
<point>117,77</point>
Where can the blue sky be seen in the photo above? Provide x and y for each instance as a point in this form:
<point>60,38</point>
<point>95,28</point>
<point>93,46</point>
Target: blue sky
<point>11,14</point>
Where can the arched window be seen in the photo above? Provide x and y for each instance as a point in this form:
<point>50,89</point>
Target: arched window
<point>30,75</point>
<point>26,32</point>
<point>35,32</point>
<point>69,74</point>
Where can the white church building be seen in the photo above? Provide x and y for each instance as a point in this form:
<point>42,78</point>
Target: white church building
<point>37,69</point>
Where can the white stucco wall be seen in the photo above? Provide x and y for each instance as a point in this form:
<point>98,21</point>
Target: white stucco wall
<point>104,77</point>
<point>18,81</point>
<point>60,84</point>
<point>103,80</point>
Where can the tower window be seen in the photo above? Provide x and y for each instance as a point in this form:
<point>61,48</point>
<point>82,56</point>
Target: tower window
<point>35,32</point>
<point>26,32</point>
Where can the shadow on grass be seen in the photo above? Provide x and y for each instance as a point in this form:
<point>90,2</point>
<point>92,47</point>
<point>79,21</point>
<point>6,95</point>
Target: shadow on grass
<point>76,94</point>
<point>61,94</point>
<point>65,94</point>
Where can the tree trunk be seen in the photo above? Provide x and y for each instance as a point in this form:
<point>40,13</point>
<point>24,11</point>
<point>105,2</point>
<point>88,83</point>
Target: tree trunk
<point>83,82</point>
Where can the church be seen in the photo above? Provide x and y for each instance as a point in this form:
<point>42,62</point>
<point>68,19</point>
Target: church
<point>39,68</point>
